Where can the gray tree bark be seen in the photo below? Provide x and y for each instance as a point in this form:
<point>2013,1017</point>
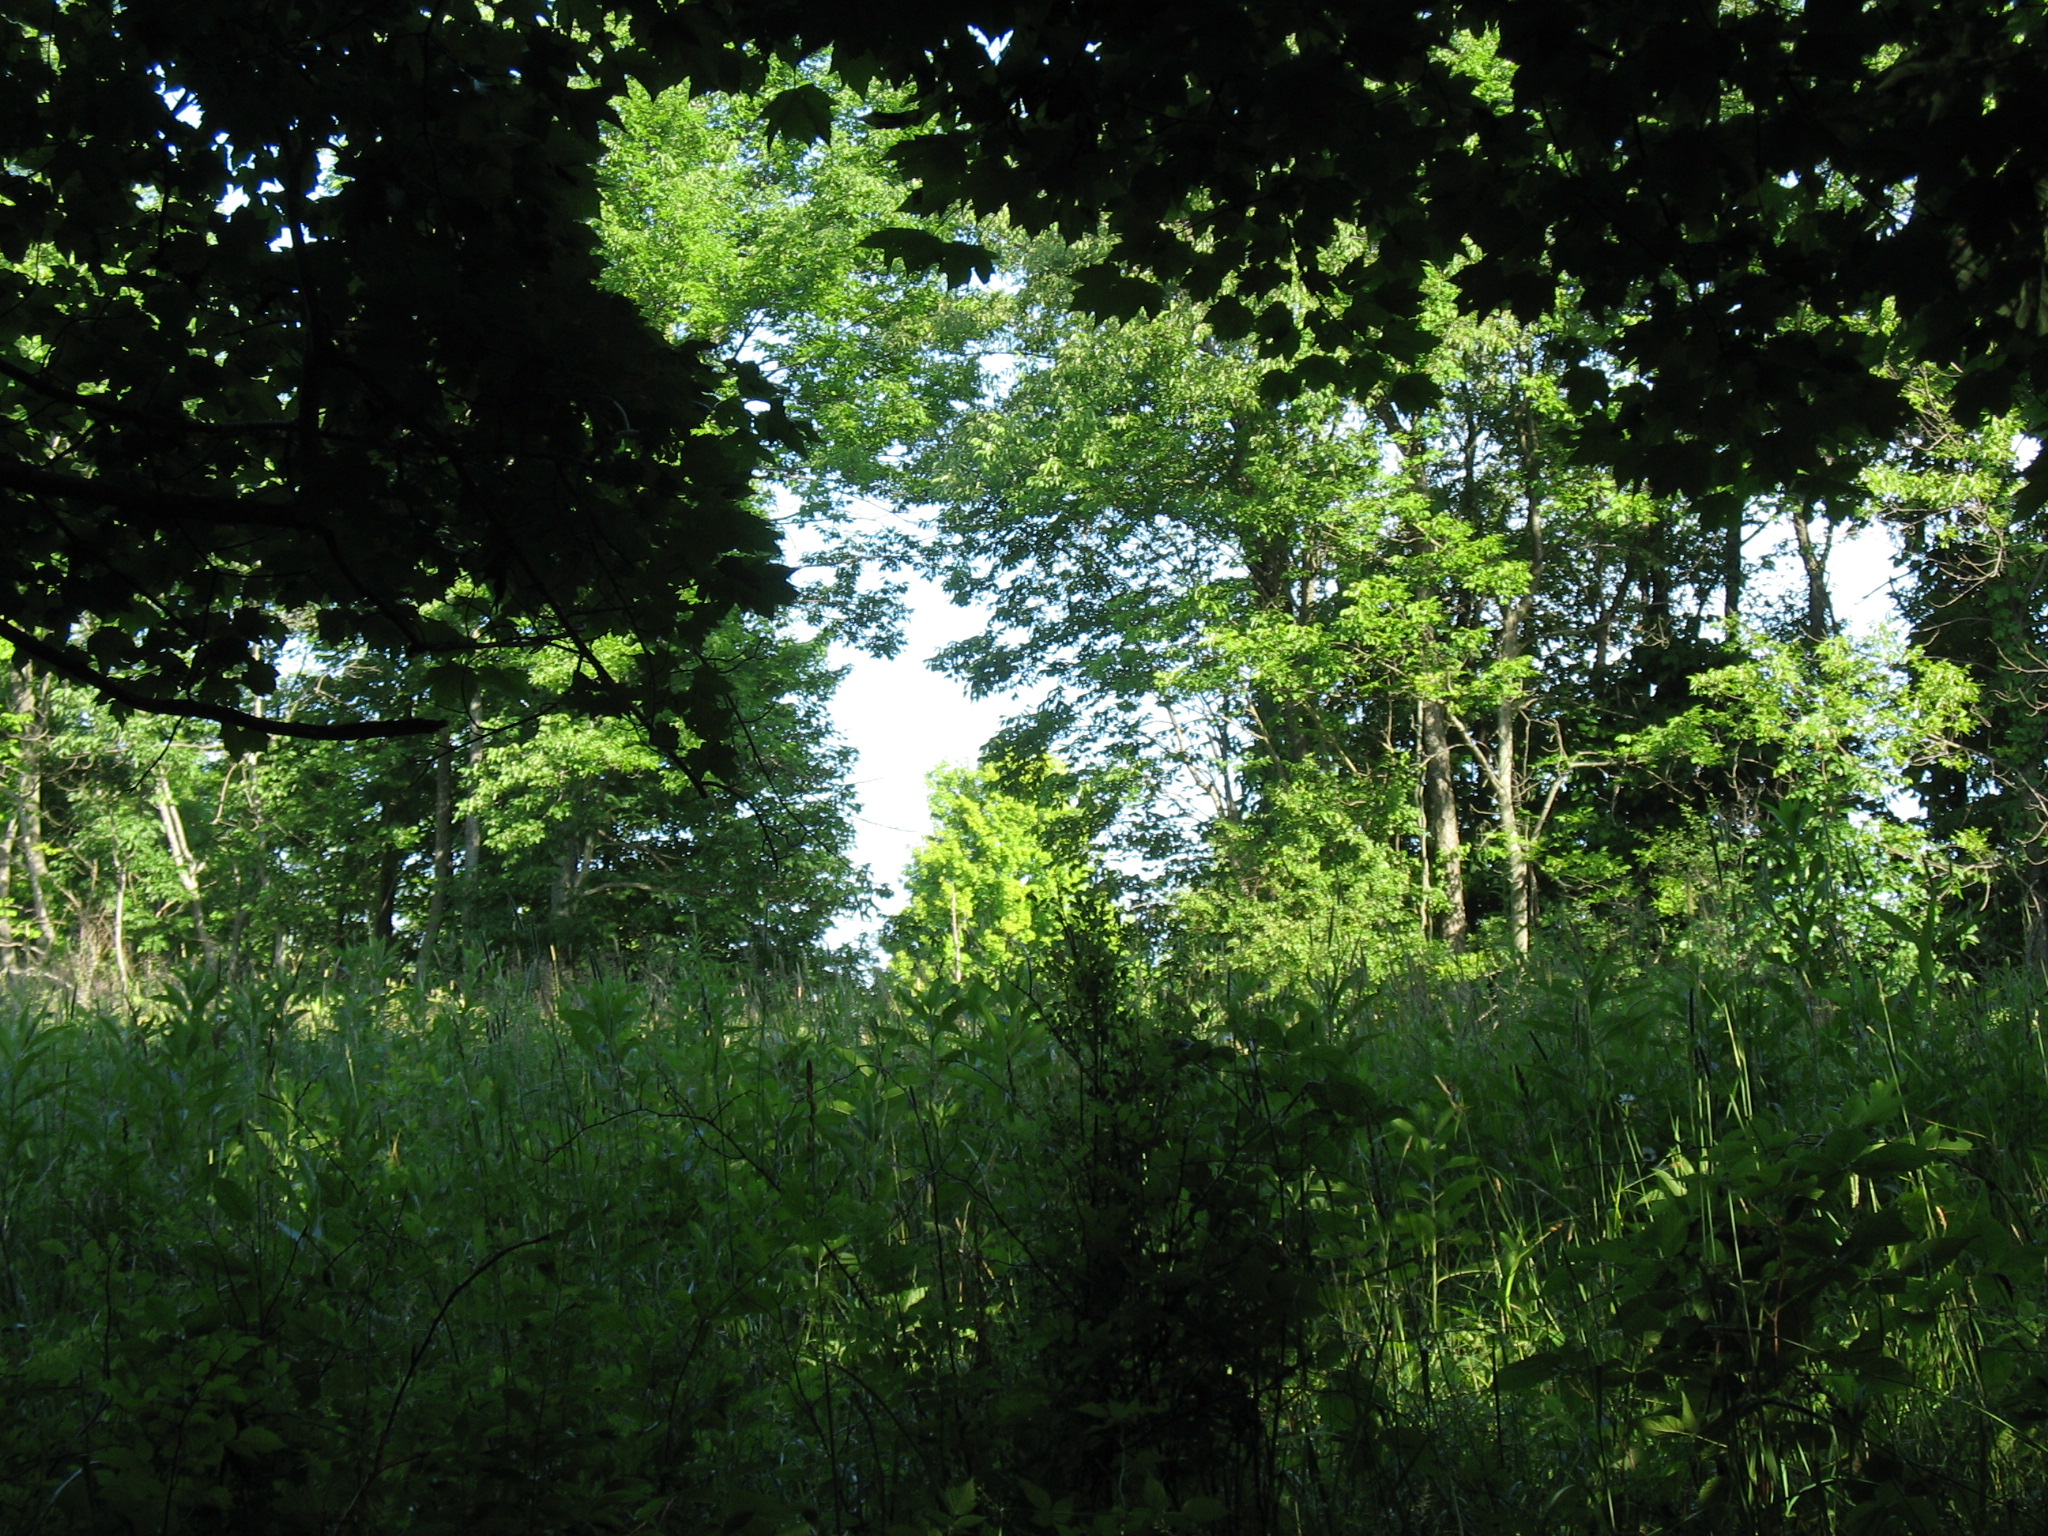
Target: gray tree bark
<point>1440,809</point>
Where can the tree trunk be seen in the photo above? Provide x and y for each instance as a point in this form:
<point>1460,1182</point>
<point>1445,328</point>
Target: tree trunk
<point>1507,786</point>
<point>7,893</point>
<point>1440,807</point>
<point>444,851</point>
<point>568,886</point>
<point>254,886</point>
<point>953,898</point>
<point>1731,566</point>
<point>473,830</point>
<point>1820,616</point>
<point>2035,916</point>
<point>384,920</point>
<point>1518,865</point>
<point>121,924</point>
<point>28,804</point>
<point>1658,631</point>
<point>188,868</point>
<point>30,790</point>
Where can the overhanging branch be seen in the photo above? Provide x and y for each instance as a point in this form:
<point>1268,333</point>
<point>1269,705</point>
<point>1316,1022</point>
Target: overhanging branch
<point>158,507</point>
<point>68,663</point>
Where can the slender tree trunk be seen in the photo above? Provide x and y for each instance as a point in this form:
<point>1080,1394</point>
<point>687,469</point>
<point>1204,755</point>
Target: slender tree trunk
<point>1820,616</point>
<point>1514,640</point>
<point>384,920</point>
<point>1518,867</point>
<point>473,830</point>
<point>558,898</point>
<point>568,886</point>
<point>444,851</point>
<point>253,886</point>
<point>472,871</point>
<point>85,954</point>
<point>1731,565</point>
<point>1440,807</point>
<point>121,923</point>
<point>1656,587</point>
<point>2034,885</point>
<point>188,868</point>
<point>1603,626</point>
<point>7,893</point>
<point>28,804</point>
<point>1270,564</point>
<point>238,930</point>
<point>953,897</point>
<point>1508,786</point>
<point>30,790</point>
<point>1422,849</point>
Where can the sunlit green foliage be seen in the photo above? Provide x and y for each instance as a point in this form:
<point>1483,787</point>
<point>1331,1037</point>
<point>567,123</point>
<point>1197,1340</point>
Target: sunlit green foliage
<point>990,889</point>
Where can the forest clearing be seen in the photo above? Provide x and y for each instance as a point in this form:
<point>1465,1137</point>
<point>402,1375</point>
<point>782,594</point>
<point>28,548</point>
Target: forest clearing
<point>1466,996</point>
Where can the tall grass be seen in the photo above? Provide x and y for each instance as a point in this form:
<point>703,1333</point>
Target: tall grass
<point>1584,1248</point>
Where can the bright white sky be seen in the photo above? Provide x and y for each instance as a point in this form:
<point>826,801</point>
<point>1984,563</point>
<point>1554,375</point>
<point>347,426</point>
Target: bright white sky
<point>904,720</point>
<point>1861,570</point>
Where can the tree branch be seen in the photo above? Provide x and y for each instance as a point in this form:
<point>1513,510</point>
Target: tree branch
<point>156,506</point>
<point>68,663</point>
<point>1478,756</point>
<point>105,407</point>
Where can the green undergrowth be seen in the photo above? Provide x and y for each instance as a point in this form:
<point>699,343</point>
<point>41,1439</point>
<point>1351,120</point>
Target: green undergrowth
<point>1578,1249</point>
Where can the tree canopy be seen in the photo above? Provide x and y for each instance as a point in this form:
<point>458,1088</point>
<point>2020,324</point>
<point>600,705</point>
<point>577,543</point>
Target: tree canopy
<point>306,334</point>
<point>1759,200</point>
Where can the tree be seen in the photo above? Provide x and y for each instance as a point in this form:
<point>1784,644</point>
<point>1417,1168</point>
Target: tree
<point>1731,191</point>
<point>1007,856</point>
<point>303,312</point>
<point>304,333</point>
<point>583,839</point>
<point>122,843</point>
<point>1820,739</point>
<point>1978,598</point>
<point>512,824</point>
<point>126,845</point>
<point>727,227</point>
<point>1420,622</point>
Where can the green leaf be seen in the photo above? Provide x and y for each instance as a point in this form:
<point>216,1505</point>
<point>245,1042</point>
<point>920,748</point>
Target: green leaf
<point>1320,371</point>
<point>922,251</point>
<point>1530,1371</point>
<point>803,112</point>
<point>855,70</point>
<point>1278,385</point>
<point>1109,293</point>
<point>233,1199</point>
<point>242,743</point>
<point>1893,1157</point>
<point>258,1441</point>
<point>1414,392</point>
<point>1230,318</point>
<point>1879,1229</point>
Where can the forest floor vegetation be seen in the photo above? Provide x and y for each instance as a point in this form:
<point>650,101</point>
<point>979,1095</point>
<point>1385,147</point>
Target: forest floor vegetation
<point>1585,1246</point>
